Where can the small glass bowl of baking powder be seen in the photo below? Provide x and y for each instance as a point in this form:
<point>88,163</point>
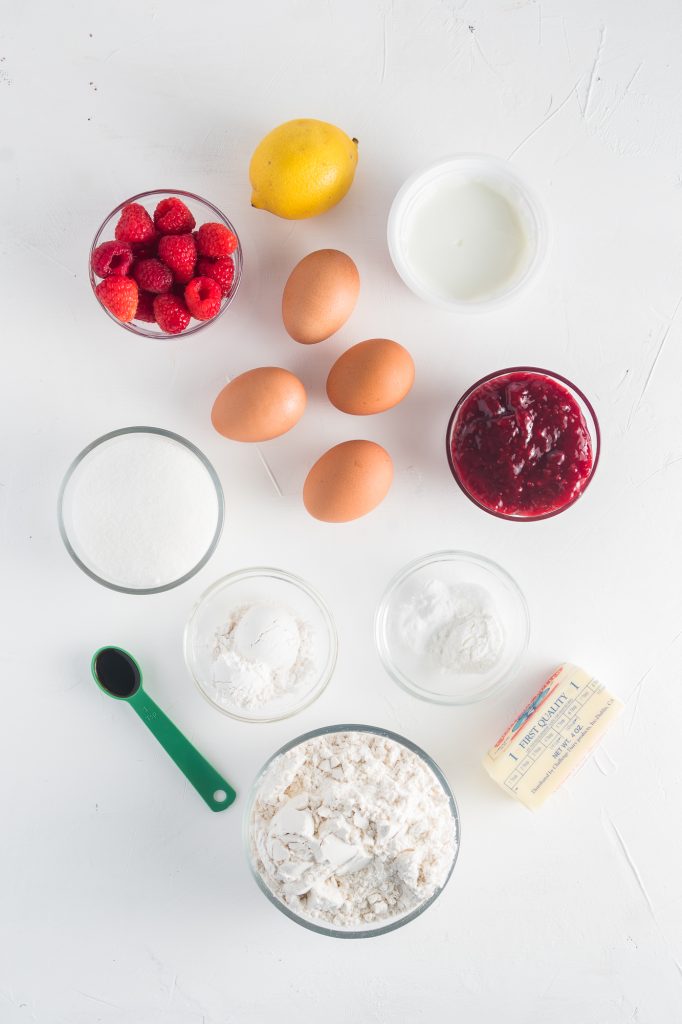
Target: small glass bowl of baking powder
<point>321,843</point>
<point>452,628</point>
<point>261,645</point>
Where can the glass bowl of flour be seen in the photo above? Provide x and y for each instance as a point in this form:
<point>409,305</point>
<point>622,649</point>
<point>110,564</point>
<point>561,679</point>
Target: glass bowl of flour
<point>351,831</point>
<point>141,510</point>
<point>452,627</point>
<point>260,644</point>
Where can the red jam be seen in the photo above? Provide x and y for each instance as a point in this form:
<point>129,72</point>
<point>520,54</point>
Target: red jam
<point>520,445</point>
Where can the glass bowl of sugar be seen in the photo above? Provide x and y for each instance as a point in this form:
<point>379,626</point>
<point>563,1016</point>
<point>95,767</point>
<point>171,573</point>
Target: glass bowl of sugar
<point>261,645</point>
<point>141,510</point>
<point>452,628</point>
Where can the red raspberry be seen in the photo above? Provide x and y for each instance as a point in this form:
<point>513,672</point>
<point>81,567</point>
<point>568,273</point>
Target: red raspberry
<point>119,296</point>
<point>112,258</point>
<point>171,313</point>
<point>180,254</point>
<point>145,308</point>
<point>203,296</point>
<point>221,271</point>
<point>146,250</point>
<point>153,275</point>
<point>135,225</point>
<point>171,217</point>
<point>215,240</point>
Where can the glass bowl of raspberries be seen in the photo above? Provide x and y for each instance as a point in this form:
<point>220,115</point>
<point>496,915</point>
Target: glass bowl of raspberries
<point>165,262</point>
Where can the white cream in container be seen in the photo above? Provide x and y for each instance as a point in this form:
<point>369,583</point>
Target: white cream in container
<point>466,233</point>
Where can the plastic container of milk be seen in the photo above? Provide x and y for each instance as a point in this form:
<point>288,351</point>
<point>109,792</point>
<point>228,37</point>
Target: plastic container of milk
<point>467,233</point>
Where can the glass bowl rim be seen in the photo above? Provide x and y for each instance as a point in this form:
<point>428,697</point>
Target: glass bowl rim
<point>447,555</point>
<point>338,932</point>
<point>238,259</point>
<point>287,577</point>
<point>171,435</point>
<point>595,436</point>
<point>410,187</point>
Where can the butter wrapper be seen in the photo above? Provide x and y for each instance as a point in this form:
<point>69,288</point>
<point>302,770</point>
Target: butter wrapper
<point>553,735</point>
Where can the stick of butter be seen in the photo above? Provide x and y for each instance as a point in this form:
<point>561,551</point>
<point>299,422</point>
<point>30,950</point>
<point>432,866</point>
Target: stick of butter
<point>552,736</point>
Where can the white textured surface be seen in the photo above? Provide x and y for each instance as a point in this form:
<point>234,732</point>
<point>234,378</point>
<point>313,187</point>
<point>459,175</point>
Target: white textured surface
<point>122,899</point>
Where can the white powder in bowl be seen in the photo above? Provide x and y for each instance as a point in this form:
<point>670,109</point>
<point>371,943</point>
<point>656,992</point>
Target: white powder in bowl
<point>263,654</point>
<point>352,829</point>
<point>455,625</point>
<point>141,510</point>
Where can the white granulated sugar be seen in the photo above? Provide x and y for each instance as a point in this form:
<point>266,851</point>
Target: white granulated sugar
<point>455,625</point>
<point>262,655</point>
<point>352,829</point>
<point>143,510</point>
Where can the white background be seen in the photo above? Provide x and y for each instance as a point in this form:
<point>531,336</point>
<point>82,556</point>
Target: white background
<point>122,899</point>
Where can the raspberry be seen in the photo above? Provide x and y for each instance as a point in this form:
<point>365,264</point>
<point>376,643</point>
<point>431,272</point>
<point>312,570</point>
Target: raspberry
<point>119,296</point>
<point>171,217</point>
<point>147,249</point>
<point>203,296</point>
<point>145,308</point>
<point>135,225</point>
<point>171,313</point>
<point>180,254</point>
<point>221,271</point>
<point>215,240</point>
<point>153,275</point>
<point>112,258</point>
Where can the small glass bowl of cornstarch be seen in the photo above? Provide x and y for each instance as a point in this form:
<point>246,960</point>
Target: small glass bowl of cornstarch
<point>452,627</point>
<point>351,831</point>
<point>260,644</point>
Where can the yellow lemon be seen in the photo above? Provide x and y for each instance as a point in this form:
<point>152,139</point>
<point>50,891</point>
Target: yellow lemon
<point>302,168</point>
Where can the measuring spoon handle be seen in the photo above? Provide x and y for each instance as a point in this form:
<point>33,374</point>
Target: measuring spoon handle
<point>209,784</point>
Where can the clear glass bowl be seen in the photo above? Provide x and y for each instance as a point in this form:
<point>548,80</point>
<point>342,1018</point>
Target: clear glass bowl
<point>475,168</point>
<point>266,587</point>
<point>65,511</point>
<point>591,421</point>
<point>203,211</point>
<point>414,671</point>
<point>313,926</point>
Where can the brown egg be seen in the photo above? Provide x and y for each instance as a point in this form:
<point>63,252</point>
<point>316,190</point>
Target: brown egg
<point>259,404</point>
<point>370,377</point>
<point>320,295</point>
<point>348,481</point>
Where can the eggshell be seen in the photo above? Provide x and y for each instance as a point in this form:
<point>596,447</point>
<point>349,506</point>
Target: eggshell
<point>348,481</point>
<point>320,295</point>
<point>259,404</point>
<point>370,377</point>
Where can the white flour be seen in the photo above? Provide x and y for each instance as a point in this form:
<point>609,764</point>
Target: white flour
<point>262,655</point>
<point>352,829</point>
<point>454,625</point>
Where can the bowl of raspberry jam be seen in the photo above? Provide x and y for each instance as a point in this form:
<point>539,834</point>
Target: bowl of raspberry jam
<point>523,443</point>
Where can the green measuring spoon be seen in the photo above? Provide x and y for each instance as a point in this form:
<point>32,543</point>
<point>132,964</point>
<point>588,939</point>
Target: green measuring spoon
<point>118,675</point>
